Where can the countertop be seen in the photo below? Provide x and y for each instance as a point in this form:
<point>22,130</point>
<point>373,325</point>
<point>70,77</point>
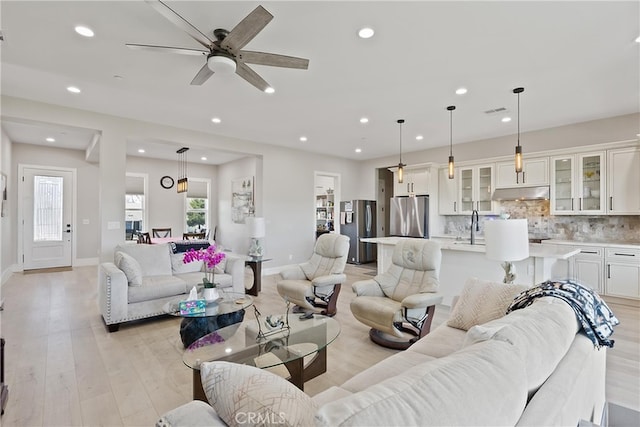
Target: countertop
<point>536,250</point>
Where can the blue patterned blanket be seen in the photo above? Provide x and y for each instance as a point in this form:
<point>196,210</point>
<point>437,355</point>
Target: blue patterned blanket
<point>594,315</point>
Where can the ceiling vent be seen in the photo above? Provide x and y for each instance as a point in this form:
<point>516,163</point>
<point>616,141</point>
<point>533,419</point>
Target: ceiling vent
<point>496,110</point>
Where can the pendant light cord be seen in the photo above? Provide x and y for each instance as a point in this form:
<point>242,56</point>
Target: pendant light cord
<point>400,122</point>
<point>451,132</point>
<point>518,119</point>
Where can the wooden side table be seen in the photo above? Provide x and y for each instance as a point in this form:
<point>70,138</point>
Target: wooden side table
<point>4,390</point>
<point>255,263</point>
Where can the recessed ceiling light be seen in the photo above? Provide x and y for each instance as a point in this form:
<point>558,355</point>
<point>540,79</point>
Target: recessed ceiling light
<point>461,91</point>
<point>50,139</point>
<point>216,120</point>
<point>84,31</point>
<point>203,158</point>
<point>638,39</point>
<point>73,89</point>
<point>366,33</point>
<point>364,120</point>
<point>303,138</point>
<point>141,150</point>
<point>269,90</point>
<point>358,150</point>
<point>419,137</point>
<point>506,119</point>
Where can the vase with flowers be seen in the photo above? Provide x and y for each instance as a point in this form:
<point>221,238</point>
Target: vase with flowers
<point>211,257</point>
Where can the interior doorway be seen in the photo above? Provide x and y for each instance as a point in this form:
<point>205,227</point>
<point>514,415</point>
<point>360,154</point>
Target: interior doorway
<point>46,196</point>
<point>326,202</point>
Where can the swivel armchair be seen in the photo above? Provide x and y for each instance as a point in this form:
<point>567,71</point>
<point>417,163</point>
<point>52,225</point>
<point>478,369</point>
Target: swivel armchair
<point>316,283</point>
<point>399,303</point>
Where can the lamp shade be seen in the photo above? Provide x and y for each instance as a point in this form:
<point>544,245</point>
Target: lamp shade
<point>256,227</point>
<point>507,239</point>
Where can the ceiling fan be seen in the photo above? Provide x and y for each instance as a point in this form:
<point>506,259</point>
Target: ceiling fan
<point>225,52</point>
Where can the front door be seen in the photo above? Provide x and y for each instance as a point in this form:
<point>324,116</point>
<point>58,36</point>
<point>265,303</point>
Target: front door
<point>47,202</point>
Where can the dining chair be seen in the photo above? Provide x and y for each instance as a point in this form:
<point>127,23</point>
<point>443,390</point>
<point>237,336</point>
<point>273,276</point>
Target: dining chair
<point>143,237</point>
<point>161,232</point>
<point>193,236</point>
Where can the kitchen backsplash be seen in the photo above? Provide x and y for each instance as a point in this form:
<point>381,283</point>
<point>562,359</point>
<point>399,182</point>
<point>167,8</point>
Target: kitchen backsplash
<point>602,228</point>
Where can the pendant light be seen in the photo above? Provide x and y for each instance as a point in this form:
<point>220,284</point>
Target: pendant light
<point>518,91</point>
<point>401,165</point>
<point>450,108</point>
<point>183,183</point>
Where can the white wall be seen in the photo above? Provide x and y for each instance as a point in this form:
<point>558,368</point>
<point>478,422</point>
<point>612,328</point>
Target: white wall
<point>166,208</point>
<point>284,192</point>
<point>86,236</point>
<point>7,223</point>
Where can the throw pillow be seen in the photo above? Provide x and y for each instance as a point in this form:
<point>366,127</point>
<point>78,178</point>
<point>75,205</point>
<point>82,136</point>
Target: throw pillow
<point>482,301</point>
<point>219,269</point>
<point>130,266</point>
<point>179,267</point>
<point>246,395</point>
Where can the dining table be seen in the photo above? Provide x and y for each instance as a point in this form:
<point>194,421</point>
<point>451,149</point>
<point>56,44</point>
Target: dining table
<point>161,240</point>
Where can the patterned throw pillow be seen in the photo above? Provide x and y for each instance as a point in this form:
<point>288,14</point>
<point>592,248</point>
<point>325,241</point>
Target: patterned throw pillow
<point>246,395</point>
<point>482,301</point>
<point>130,267</point>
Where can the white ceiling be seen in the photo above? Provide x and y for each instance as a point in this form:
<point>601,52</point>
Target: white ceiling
<point>576,60</point>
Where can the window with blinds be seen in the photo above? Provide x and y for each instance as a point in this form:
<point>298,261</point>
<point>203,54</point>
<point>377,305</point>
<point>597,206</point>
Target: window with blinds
<point>197,206</point>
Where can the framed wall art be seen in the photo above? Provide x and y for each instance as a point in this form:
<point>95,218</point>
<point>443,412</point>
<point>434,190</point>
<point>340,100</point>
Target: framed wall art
<point>242,199</point>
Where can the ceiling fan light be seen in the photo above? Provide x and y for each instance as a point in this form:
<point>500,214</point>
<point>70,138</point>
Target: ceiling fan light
<point>221,64</point>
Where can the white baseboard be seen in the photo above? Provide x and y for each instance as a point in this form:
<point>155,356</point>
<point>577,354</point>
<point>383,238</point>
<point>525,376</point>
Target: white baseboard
<point>84,262</point>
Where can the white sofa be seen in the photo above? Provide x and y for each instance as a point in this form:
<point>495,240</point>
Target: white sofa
<point>130,290</point>
<point>528,368</point>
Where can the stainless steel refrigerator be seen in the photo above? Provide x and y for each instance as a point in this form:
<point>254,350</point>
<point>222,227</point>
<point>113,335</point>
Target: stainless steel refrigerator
<point>409,216</point>
<point>358,220</point>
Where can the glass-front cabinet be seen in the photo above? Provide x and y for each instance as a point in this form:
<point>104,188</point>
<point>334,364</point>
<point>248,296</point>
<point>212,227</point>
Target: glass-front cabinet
<point>577,184</point>
<point>476,188</point>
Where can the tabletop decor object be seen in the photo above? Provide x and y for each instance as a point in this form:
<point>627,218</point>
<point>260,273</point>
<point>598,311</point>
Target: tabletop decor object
<point>211,258</point>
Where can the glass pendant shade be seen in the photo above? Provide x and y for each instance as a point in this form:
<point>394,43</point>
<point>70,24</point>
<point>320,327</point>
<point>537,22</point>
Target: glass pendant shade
<point>518,159</point>
<point>450,108</point>
<point>450,167</point>
<point>183,182</point>
<point>400,164</point>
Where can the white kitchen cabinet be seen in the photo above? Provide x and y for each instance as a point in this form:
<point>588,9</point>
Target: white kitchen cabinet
<point>577,184</point>
<point>448,198</point>
<point>415,182</point>
<point>535,171</point>
<point>623,272</point>
<point>588,267</point>
<point>475,187</point>
<point>623,181</point>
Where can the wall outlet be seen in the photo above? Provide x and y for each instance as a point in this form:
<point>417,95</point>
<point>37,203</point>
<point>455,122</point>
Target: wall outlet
<point>85,222</point>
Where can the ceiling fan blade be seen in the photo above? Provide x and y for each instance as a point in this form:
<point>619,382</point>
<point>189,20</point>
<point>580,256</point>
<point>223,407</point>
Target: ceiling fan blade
<point>202,76</point>
<point>247,29</point>
<point>273,59</point>
<point>251,76</point>
<point>167,49</point>
<point>179,21</point>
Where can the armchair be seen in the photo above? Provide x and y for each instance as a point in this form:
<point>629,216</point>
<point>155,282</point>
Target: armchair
<point>399,303</point>
<point>316,283</point>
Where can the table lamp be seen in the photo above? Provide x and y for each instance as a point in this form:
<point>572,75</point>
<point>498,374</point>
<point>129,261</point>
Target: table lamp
<point>256,233</point>
<point>507,240</point>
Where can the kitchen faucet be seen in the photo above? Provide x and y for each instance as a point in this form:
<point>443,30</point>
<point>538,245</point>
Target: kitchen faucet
<point>475,225</point>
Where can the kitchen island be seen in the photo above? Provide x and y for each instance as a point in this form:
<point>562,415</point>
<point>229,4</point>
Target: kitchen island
<point>461,260</point>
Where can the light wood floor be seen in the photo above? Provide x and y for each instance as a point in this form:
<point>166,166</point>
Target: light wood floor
<point>64,369</point>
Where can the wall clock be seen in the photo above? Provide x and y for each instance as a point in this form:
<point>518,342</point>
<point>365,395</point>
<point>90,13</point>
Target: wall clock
<point>166,182</point>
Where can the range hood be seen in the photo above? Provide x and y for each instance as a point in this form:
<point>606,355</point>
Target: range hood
<point>521,193</point>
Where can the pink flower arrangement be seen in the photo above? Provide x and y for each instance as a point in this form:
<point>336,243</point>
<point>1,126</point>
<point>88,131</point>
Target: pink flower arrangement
<point>211,258</point>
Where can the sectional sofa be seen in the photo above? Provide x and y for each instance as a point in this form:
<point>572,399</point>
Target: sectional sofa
<point>532,367</point>
<point>144,277</point>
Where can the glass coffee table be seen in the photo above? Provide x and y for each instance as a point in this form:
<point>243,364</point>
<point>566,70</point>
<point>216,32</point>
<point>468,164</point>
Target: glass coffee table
<point>297,354</point>
<point>225,311</point>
